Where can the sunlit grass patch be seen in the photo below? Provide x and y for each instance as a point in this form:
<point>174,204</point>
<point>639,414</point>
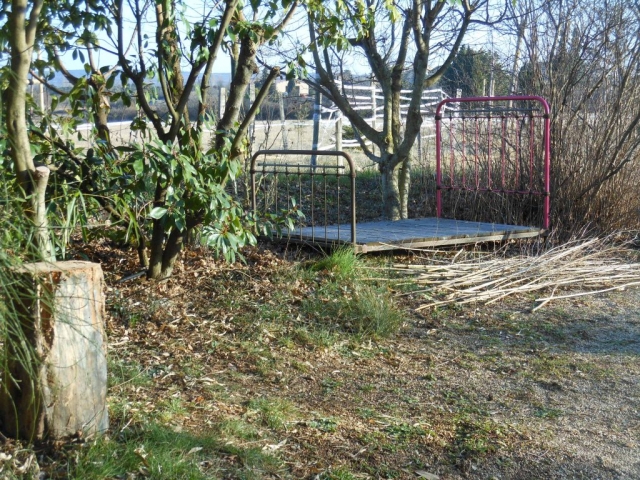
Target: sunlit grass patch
<point>343,262</point>
<point>341,473</point>
<point>561,366</point>
<point>354,307</point>
<point>157,451</point>
<point>373,313</point>
<point>272,412</point>
<point>152,451</point>
<point>475,438</point>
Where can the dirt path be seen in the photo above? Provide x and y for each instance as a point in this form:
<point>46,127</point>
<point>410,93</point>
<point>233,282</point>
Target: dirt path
<point>566,380</point>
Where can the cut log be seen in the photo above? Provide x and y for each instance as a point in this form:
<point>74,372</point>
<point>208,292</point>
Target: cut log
<point>62,389</point>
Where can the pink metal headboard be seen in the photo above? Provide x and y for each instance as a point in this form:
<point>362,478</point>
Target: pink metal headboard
<point>475,184</point>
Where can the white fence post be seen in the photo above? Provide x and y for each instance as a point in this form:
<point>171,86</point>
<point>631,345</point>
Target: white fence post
<point>339,138</point>
<point>252,99</point>
<point>222,100</point>
<point>285,143</point>
<point>317,110</point>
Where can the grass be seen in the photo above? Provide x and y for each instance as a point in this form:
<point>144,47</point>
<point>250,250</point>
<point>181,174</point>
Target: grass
<point>319,304</point>
<point>340,473</point>
<point>404,432</point>
<point>476,438</point>
<point>547,412</point>
<point>154,443</point>
<point>329,385</point>
<point>304,370</point>
<point>323,424</point>
<point>273,413</point>
<point>331,299</point>
<point>154,451</point>
<point>172,409</point>
<point>337,309</point>
<point>122,372</point>
<point>235,429</point>
<point>343,262</point>
<point>157,451</point>
<point>316,336</point>
<point>547,366</point>
<point>345,301</point>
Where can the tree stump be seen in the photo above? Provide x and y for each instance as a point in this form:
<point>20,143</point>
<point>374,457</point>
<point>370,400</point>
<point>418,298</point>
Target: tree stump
<point>62,389</point>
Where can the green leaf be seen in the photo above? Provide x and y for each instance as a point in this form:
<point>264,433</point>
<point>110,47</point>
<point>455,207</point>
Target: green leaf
<point>231,34</point>
<point>180,223</point>
<point>138,166</point>
<point>157,213</point>
<point>110,81</point>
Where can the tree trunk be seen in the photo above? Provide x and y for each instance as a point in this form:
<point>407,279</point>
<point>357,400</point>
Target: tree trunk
<point>154,270</point>
<point>404,184</point>
<point>171,251</point>
<point>158,235</point>
<point>33,181</point>
<point>390,193</point>
<point>55,383</point>
<point>143,257</point>
<point>245,67</point>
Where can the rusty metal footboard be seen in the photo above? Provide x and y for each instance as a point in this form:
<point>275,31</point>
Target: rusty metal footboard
<point>281,175</point>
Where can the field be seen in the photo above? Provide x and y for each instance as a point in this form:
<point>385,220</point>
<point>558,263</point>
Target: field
<point>268,135</point>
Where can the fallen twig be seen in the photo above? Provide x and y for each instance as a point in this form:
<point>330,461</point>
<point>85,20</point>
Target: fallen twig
<point>592,266</point>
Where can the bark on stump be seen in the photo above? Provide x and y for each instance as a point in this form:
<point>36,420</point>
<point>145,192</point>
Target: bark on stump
<point>64,392</point>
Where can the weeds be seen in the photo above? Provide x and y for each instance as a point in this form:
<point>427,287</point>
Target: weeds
<point>548,413</point>
<point>329,384</point>
<point>374,313</point>
<point>343,262</point>
<point>273,413</point>
<point>153,451</point>
<point>338,474</point>
<point>474,438</point>
<point>404,432</point>
<point>343,300</point>
<point>324,424</point>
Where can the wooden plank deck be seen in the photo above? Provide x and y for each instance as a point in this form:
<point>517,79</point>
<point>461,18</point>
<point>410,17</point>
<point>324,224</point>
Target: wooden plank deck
<point>412,233</point>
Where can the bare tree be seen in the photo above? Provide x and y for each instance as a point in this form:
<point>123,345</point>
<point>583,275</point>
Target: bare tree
<point>583,55</point>
<point>417,36</point>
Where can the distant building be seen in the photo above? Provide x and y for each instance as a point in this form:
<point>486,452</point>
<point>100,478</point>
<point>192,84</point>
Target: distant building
<point>297,88</point>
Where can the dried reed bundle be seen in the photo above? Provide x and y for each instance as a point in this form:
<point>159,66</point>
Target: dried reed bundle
<point>573,269</point>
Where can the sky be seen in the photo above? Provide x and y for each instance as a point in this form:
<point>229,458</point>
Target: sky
<point>481,38</point>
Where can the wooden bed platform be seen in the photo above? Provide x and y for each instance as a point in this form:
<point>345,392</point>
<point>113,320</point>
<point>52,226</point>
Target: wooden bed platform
<point>412,233</point>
